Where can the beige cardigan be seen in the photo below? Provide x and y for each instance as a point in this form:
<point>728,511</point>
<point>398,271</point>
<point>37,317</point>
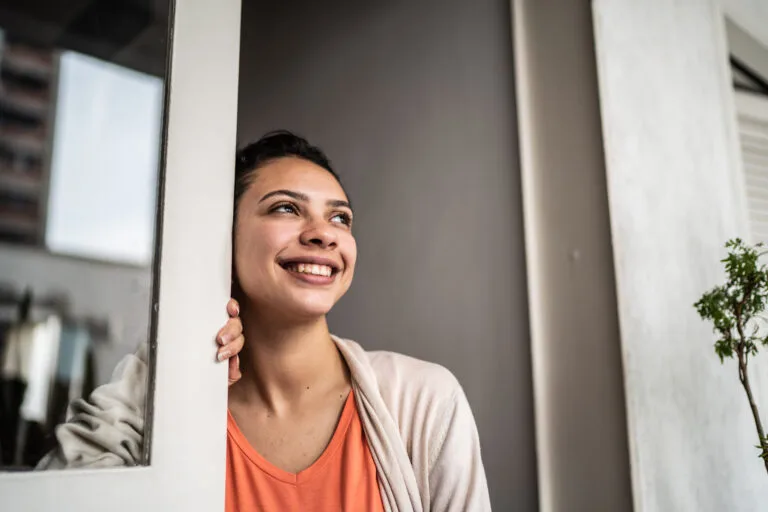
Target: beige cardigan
<point>416,418</point>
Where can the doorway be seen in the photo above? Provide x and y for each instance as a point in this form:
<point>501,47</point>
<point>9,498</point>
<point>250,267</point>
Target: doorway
<point>414,104</point>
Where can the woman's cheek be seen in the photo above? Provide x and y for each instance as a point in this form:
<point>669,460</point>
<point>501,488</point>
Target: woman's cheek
<point>350,254</point>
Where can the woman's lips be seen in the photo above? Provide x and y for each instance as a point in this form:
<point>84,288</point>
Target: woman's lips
<point>314,269</point>
<point>311,273</point>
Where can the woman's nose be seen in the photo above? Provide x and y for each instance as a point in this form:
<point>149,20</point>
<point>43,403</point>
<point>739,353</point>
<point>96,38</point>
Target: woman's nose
<point>319,235</point>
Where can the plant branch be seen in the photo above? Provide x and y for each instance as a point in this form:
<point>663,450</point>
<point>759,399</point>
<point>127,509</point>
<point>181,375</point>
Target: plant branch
<point>732,308</point>
<point>744,378</point>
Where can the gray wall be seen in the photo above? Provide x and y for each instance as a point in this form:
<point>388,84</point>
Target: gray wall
<point>676,194</point>
<point>413,101</point>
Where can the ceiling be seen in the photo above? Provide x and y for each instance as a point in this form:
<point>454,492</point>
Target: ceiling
<point>132,33</point>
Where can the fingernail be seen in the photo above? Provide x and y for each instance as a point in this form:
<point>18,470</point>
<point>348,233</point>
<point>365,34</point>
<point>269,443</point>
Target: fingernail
<point>223,355</point>
<point>225,338</point>
<point>237,309</point>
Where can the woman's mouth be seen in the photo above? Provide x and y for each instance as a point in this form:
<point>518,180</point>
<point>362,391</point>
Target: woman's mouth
<point>310,269</point>
<point>316,271</point>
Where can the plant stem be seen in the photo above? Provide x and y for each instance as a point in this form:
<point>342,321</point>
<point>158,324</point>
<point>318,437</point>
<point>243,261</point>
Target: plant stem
<point>744,378</point>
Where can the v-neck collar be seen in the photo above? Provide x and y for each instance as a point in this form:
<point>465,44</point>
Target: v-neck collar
<point>304,475</point>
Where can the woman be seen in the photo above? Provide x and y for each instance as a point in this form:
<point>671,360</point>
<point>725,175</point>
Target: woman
<point>315,422</point>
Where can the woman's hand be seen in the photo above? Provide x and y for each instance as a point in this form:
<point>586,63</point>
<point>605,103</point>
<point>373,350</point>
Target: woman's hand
<point>231,339</point>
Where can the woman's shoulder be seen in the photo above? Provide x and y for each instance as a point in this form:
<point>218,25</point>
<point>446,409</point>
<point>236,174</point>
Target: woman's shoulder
<point>413,375</point>
<point>403,379</point>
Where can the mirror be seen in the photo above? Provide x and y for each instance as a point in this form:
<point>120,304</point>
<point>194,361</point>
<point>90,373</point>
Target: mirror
<point>81,114</point>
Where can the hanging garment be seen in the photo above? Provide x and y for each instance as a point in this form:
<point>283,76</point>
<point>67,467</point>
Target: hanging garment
<point>74,346</point>
<point>17,351</point>
<point>74,371</point>
<point>41,370</point>
<point>27,370</point>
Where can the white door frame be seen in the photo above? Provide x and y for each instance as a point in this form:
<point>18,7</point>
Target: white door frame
<point>187,467</point>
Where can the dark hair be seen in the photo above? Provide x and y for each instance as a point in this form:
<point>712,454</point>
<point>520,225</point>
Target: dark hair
<point>273,145</point>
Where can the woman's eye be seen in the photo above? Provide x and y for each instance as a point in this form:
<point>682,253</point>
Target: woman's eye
<point>284,208</point>
<point>342,218</point>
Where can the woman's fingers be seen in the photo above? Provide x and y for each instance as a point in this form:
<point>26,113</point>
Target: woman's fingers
<point>233,308</point>
<point>234,326</point>
<point>236,345</point>
<point>231,339</point>
<point>234,370</point>
<point>231,349</point>
<point>230,331</point>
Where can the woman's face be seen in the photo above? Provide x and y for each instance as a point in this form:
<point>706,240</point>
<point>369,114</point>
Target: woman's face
<point>294,251</point>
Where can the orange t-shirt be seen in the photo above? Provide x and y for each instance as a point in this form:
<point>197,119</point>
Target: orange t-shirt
<point>342,479</point>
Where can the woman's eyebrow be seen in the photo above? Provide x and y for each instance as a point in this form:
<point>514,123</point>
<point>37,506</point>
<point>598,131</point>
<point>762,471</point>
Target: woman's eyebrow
<point>290,193</point>
<point>338,203</point>
<point>333,203</point>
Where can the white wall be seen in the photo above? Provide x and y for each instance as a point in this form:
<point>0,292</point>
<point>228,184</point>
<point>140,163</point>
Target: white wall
<point>119,294</point>
<point>676,195</point>
<point>414,103</point>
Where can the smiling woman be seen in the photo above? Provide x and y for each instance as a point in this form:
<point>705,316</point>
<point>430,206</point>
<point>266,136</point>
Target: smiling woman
<point>316,423</point>
<point>294,253</point>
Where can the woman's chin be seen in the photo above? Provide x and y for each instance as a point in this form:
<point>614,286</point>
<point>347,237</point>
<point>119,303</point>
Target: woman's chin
<point>298,307</point>
<point>308,309</point>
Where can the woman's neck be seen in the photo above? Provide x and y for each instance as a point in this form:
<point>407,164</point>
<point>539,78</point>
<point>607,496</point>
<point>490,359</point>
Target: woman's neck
<point>283,365</point>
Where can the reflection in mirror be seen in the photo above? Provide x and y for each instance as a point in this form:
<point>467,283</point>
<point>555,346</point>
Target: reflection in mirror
<point>81,101</point>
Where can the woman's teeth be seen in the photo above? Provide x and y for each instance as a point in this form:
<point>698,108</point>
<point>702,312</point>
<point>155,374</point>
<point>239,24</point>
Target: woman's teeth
<point>308,268</point>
